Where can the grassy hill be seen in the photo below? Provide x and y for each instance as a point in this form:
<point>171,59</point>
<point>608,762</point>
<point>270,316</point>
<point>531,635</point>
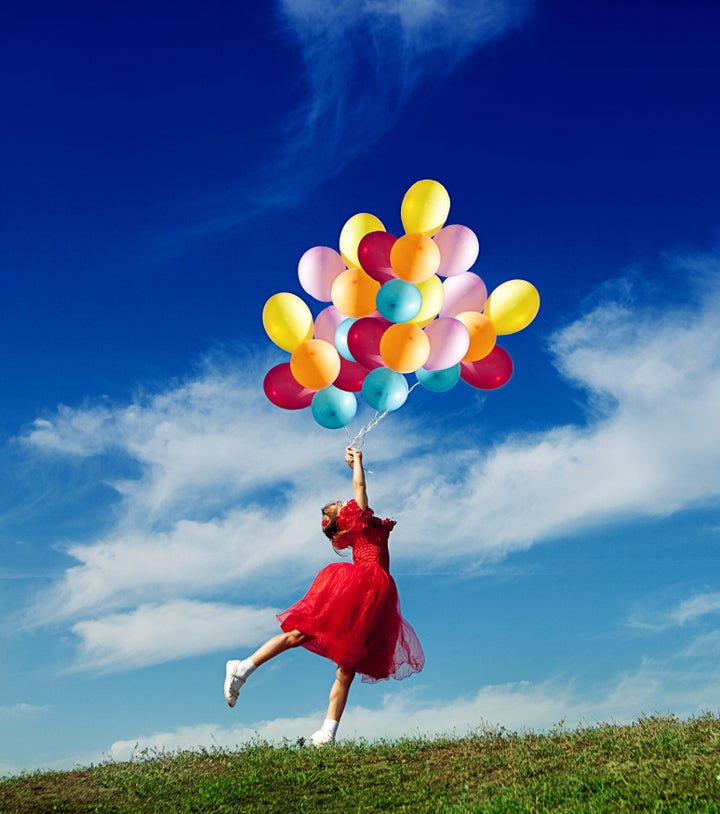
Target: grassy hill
<point>655,764</point>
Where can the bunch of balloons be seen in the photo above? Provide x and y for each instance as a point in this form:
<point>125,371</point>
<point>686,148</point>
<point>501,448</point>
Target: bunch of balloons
<point>398,306</point>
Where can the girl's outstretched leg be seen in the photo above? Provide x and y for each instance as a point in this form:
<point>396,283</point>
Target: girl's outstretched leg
<point>238,671</point>
<point>338,698</point>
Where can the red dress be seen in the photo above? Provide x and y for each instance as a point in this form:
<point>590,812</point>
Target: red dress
<point>352,610</point>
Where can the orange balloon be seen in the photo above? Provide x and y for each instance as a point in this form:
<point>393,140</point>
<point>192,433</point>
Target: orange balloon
<point>415,258</point>
<point>315,364</point>
<point>353,293</point>
<point>404,347</point>
<point>482,335</point>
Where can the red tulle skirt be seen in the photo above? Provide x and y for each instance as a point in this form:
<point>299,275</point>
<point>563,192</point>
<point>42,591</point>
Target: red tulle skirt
<point>353,614</point>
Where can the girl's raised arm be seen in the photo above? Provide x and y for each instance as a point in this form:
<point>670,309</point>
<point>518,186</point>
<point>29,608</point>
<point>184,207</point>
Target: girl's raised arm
<point>353,458</point>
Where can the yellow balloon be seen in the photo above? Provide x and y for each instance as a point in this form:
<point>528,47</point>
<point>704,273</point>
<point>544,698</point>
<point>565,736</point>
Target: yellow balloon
<point>512,306</point>
<point>404,347</point>
<point>482,335</point>
<point>315,364</point>
<point>415,257</point>
<point>354,231</point>
<point>353,293</point>
<point>433,295</point>
<point>425,207</point>
<point>287,320</point>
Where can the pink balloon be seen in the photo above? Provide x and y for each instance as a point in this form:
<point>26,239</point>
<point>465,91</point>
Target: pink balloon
<point>463,292</point>
<point>489,373</point>
<point>284,391</point>
<point>374,255</point>
<point>449,342</point>
<point>317,270</point>
<point>351,376</point>
<point>364,341</point>
<point>326,323</point>
<point>459,249</point>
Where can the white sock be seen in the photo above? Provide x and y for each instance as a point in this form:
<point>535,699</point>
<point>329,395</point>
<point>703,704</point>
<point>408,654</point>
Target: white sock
<point>329,727</point>
<point>244,668</point>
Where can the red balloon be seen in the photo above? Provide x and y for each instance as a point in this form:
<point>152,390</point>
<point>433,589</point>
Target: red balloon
<point>351,376</point>
<point>489,373</point>
<point>363,341</point>
<point>374,255</point>
<point>283,390</point>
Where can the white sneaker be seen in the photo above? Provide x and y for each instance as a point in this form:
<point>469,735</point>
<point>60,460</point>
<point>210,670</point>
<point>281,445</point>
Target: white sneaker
<point>233,683</point>
<point>322,738</point>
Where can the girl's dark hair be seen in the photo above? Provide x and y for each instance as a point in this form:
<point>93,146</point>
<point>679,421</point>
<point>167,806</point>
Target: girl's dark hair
<point>331,529</point>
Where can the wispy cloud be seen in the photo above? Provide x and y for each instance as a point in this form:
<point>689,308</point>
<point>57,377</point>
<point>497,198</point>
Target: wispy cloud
<point>693,610</point>
<point>362,61</point>
<point>21,710</point>
<point>696,607</point>
<point>224,480</point>
<point>517,707</point>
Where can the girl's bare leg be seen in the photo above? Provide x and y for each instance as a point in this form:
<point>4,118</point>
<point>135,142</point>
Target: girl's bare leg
<point>338,698</point>
<point>278,644</point>
<point>237,671</point>
<point>339,693</point>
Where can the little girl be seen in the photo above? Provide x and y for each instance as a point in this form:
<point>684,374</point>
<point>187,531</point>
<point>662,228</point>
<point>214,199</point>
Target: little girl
<point>350,614</point>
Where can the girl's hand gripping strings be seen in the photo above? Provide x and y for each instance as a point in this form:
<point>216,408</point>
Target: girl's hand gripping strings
<point>353,458</point>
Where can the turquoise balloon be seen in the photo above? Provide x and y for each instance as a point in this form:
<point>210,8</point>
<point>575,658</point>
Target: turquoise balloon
<point>333,408</point>
<point>385,390</point>
<point>439,381</point>
<point>398,301</point>
<point>341,335</point>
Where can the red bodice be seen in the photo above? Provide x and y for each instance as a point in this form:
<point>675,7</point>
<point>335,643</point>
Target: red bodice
<point>366,534</point>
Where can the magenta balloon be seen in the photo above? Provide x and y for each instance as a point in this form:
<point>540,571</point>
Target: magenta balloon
<point>317,270</point>
<point>374,255</point>
<point>463,292</point>
<point>284,391</point>
<point>351,376</point>
<point>326,323</point>
<point>489,373</point>
<point>459,249</point>
<point>364,341</point>
<point>449,342</point>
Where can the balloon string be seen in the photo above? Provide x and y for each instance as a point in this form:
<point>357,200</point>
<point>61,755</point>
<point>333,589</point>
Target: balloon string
<point>357,441</point>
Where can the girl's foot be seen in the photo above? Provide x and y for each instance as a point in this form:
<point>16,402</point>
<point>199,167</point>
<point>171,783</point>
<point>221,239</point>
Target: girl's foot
<point>326,734</point>
<point>322,738</point>
<point>233,682</point>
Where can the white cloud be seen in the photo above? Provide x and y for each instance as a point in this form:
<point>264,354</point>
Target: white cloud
<point>651,447</point>
<point>225,480</point>
<point>663,686</point>
<point>157,633</point>
<point>517,707</point>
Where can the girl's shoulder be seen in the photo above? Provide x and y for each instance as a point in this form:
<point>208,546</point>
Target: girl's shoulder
<point>352,511</point>
<point>352,517</point>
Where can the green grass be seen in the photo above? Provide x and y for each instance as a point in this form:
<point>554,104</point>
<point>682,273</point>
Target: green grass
<point>655,764</point>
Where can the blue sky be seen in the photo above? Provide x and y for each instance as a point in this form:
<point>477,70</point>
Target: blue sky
<point>165,167</point>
